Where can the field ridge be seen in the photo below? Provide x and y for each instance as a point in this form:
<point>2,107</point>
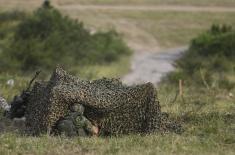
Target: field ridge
<point>150,8</point>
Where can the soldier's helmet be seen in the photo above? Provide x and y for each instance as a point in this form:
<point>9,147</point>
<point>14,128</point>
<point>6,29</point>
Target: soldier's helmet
<point>78,108</point>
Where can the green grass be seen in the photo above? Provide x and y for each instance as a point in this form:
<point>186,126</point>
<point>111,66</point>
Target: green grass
<point>152,144</point>
<point>112,70</point>
<point>207,117</point>
<point>9,92</point>
<point>152,2</point>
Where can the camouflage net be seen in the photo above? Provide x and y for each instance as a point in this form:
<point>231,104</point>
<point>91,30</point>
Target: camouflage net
<point>114,107</point>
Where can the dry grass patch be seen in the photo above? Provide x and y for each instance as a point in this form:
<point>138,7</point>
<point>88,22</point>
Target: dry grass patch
<point>152,29</point>
<point>229,3</point>
<point>143,30</point>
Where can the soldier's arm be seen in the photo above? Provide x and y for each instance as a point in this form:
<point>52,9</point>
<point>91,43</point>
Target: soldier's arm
<point>92,129</point>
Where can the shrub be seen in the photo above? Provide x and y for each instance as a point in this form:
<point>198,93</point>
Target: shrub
<point>13,15</point>
<point>210,57</point>
<point>47,38</point>
<point>218,41</point>
<point>8,21</point>
<point>110,45</point>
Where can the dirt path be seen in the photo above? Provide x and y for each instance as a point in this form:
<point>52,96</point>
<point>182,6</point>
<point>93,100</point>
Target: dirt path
<point>151,67</point>
<point>150,8</point>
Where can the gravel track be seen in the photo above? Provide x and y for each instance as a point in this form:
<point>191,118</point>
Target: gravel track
<point>151,67</point>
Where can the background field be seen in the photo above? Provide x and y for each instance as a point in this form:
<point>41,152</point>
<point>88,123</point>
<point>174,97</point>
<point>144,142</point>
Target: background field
<point>207,115</point>
<point>153,29</point>
<point>229,3</point>
<point>144,30</point>
<point>152,2</point>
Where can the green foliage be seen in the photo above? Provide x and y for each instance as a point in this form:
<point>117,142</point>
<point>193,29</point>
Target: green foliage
<point>209,59</point>
<point>13,15</point>
<point>218,41</point>
<point>8,22</point>
<point>217,29</point>
<point>208,121</point>
<point>47,38</point>
<point>110,44</point>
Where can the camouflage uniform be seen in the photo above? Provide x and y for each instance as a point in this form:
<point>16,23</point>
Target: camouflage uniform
<point>75,124</point>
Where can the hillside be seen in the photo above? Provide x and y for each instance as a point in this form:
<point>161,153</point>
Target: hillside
<point>144,29</point>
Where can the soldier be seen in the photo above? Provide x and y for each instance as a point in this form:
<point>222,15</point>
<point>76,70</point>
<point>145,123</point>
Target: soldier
<point>75,124</point>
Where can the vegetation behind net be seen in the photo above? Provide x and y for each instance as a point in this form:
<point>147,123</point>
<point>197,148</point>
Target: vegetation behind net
<point>209,60</point>
<point>46,38</point>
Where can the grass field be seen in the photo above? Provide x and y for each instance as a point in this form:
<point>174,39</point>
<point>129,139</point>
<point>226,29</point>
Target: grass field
<point>153,28</point>
<point>112,70</point>
<point>143,30</point>
<point>206,115</point>
<point>229,3</point>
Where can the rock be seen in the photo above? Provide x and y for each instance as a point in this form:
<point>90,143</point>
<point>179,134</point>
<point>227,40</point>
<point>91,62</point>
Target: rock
<point>11,82</point>
<point>4,105</point>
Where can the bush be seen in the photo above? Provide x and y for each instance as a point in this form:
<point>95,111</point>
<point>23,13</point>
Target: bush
<point>9,16</point>
<point>47,38</point>
<point>110,45</point>
<point>218,41</point>
<point>210,58</point>
<point>8,21</point>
